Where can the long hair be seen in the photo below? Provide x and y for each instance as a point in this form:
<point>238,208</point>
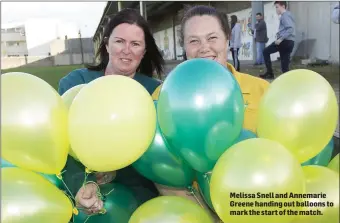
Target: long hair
<point>233,19</point>
<point>201,10</point>
<point>152,60</point>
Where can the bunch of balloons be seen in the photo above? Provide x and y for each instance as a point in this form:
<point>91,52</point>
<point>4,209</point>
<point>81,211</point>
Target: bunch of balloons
<point>91,122</point>
<point>200,115</point>
<point>192,134</point>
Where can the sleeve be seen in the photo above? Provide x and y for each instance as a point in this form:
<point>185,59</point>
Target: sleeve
<point>70,80</point>
<point>237,36</point>
<point>336,14</point>
<point>64,85</point>
<point>264,85</point>
<point>288,23</point>
<point>261,26</point>
<point>232,38</point>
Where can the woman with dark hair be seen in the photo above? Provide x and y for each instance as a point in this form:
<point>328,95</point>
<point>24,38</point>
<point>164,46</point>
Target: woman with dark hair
<point>127,48</point>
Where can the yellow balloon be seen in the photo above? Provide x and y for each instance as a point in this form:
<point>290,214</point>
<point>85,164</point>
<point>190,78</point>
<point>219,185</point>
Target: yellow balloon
<point>27,197</point>
<point>334,164</point>
<point>300,111</point>
<point>68,98</point>
<point>170,209</point>
<point>70,94</point>
<point>249,175</point>
<point>33,124</point>
<point>320,179</point>
<point>111,123</point>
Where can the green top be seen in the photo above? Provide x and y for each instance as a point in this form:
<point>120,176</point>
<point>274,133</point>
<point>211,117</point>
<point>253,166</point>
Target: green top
<point>74,175</point>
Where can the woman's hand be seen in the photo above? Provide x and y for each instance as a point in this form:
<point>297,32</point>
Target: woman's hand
<point>105,177</point>
<point>87,199</point>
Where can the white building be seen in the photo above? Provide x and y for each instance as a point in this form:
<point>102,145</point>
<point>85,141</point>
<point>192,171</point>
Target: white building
<point>34,36</point>
<point>13,40</point>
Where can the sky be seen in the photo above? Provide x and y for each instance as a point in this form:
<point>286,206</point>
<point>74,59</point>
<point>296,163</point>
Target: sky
<point>84,15</point>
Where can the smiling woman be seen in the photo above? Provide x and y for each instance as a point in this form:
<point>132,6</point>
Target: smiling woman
<point>129,49</point>
<point>205,33</point>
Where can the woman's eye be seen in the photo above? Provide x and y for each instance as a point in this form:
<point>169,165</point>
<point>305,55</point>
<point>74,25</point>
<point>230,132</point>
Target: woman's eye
<point>119,41</point>
<point>212,38</point>
<point>193,41</point>
<point>135,44</point>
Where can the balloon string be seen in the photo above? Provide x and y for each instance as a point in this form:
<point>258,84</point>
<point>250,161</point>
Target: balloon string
<point>101,212</point>
<point>60,177</point>
<point>87,218</point>
<point>193,192</point>
<point>109,192</point>
<point>85,178</point>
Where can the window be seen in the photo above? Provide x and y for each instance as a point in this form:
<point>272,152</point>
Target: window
<point>11,30</point>
<point>13,43</point>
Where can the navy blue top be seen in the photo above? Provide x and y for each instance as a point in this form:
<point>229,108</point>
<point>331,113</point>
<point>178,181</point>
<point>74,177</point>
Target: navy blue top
<point>74,175</point>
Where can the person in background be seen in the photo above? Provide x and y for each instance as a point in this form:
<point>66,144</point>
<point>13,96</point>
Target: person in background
<point>284,42</point>
<point>235,40</point>
<point>129,49</point>
<point>261,38</point>
<point>336,14</point>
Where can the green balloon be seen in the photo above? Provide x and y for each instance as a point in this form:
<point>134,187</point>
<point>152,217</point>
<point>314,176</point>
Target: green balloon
<point>53,179</point>
<point>200,111</point>
<point>334,164</point>
<point>119,204</point>
<point>5,163</point>
<point>203,179</point>
<point>161,166</point>
<point>50,177</point>
<point>323,158</point>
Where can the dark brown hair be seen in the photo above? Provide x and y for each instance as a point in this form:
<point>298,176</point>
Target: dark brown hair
<point>152,60</point>
<point>281,3</point>
<point>201,10</point>
<point>233,19</point>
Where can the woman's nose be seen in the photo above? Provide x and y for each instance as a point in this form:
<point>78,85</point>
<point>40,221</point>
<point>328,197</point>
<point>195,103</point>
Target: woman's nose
<point>205,46</point>
<point>126,48</point>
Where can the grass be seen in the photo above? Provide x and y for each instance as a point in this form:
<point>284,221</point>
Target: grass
<point>51,75</point>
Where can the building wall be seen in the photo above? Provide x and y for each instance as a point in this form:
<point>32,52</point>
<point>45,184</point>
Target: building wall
<point>43,61</point>
<point>316,29</point>
<point>316,35</point>
<point>163,31</point>
<point>57,46</point>
<point>13,41</point>
<point>72,46</point>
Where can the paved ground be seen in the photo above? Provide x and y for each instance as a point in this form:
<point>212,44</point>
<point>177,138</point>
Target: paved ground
<point>330,72</point>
